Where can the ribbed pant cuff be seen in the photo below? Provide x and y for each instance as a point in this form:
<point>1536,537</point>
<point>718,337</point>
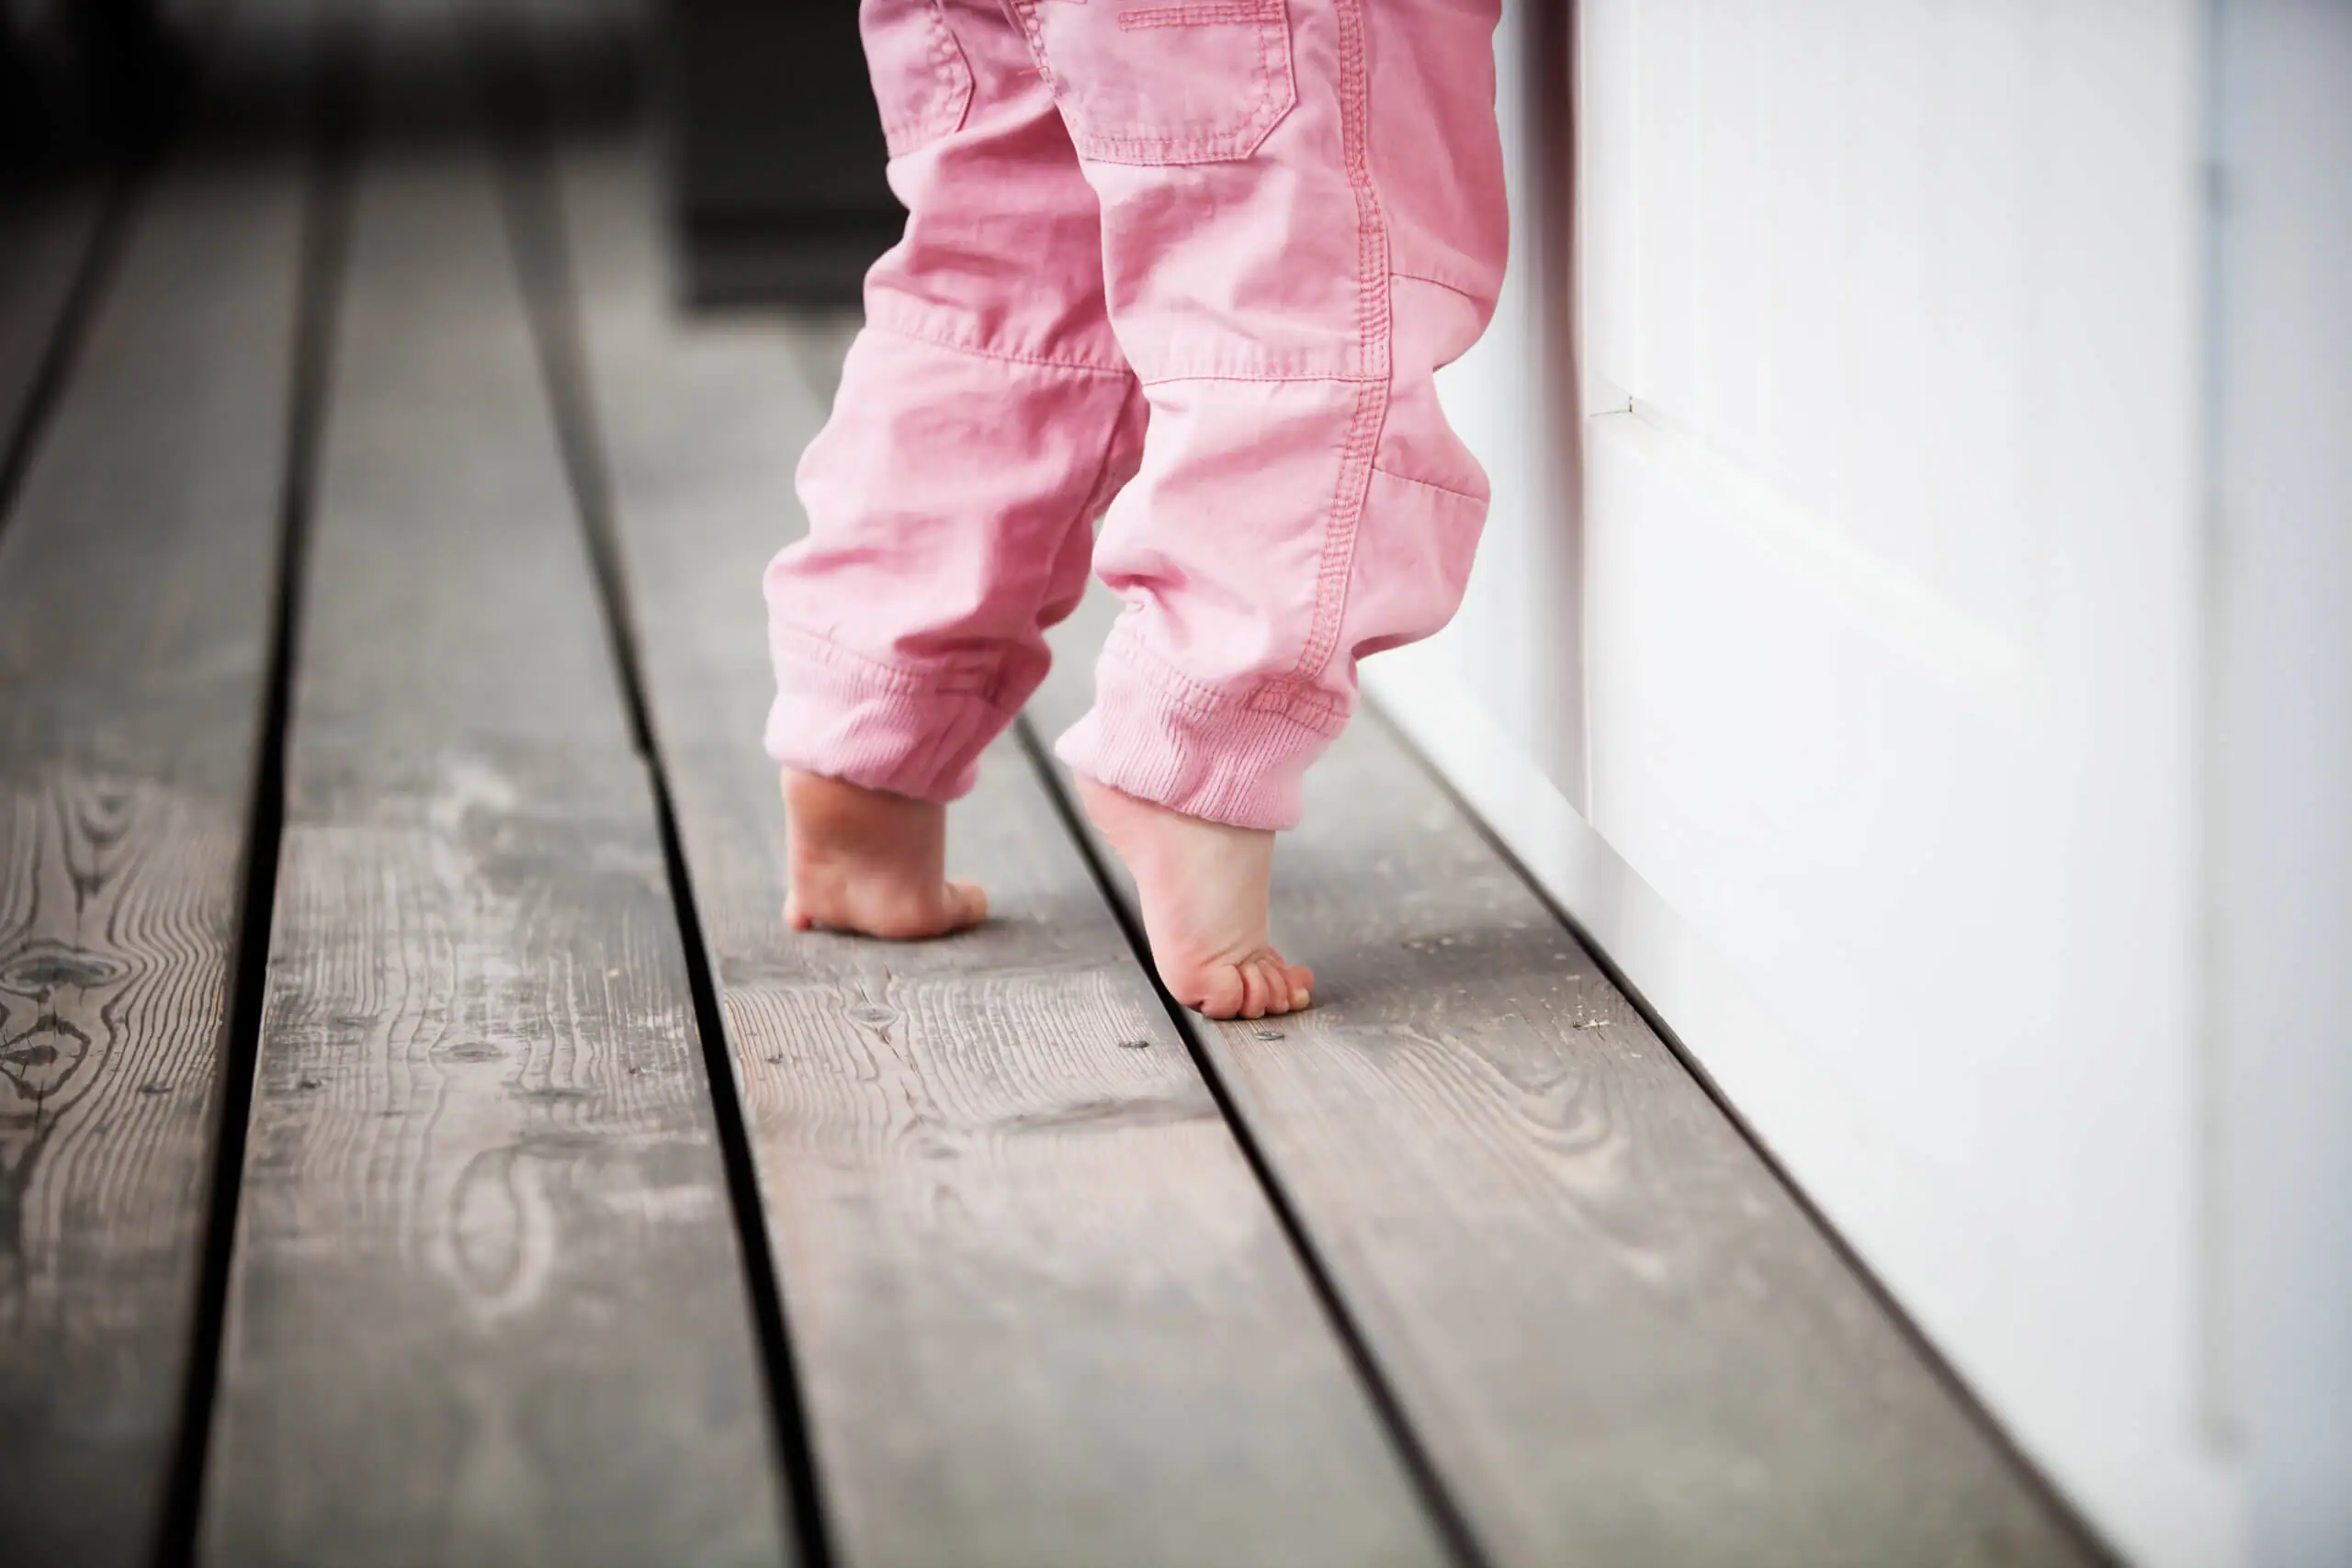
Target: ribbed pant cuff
<point>918,734</point>
<point>1155,736</point>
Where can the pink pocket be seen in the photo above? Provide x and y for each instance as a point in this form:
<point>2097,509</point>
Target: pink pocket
<point>1202,82</point>
<point>921,82</point>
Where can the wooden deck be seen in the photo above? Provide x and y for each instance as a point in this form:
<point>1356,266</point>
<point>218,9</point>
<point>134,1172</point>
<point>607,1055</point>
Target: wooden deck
<point>420,1142</point>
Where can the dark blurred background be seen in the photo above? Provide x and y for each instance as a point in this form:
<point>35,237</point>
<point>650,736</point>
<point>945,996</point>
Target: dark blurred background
<point>774,151</point>
<point>775,148</point>
<point>84,81</point>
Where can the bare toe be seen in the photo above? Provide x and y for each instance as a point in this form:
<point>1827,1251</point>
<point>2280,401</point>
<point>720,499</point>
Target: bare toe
<point>1253,992</point>
<point>1216,990</point>
<point>1202,887</point>
<point>969,902</point>
<point>1269,984</point>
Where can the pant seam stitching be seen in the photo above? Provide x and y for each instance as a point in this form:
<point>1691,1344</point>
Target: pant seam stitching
<point>900,329</point>
<point>1373,317</point>
<point>1428,484</point>
<point>1309,707</point>
<point>975,682</point>
<point>1202,701</point>
<point>1341,378</point>
<point>1310,710</point>
<point>1446,284</point>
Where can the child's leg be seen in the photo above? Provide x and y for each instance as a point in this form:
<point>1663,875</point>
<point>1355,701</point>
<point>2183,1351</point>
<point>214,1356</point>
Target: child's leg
<point>1300,218</point>
<point>985,416</point>
<point>1303,219</point>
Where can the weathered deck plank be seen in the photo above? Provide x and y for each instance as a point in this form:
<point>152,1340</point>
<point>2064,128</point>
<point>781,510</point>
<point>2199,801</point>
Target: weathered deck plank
<point>1042,1311</point>
<point>487,1303</point>
<point>136,591</point>
<point>1620,1338</point>
<point>45,237</point>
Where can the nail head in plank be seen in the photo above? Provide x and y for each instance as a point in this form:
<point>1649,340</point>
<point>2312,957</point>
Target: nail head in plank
<point>1041,1312</point>
<point>136,582</point>
<point>1620,1338</point>
<point>487,1298</point>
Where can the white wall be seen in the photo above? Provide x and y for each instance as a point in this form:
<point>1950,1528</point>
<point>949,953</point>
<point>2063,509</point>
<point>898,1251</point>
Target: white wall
<point>1517,640</point>
<point>2281,756</point>
<point>1883,594</point>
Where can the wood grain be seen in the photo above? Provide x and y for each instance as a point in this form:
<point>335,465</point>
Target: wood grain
<point>1041,1312</point>
<point>487,1300</point>
<point>45,236</point>
<point>136,583</point>
<point>1621,1340</point>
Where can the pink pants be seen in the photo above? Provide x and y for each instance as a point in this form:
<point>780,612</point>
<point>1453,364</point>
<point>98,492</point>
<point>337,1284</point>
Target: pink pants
<point>1185,267</point>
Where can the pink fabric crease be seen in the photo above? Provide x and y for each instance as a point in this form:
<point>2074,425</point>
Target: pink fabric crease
<point>1184,270</point>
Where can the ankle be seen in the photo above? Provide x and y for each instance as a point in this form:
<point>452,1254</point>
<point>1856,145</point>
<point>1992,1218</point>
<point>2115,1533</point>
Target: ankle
<point>866,859</point>
<point>839,818</point>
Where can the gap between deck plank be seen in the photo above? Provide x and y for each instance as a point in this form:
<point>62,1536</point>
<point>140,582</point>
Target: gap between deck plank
<point>330,130</point>
<point>1043,1313</point>
<point>49,283</point>
<point>136,585</point>
<point>596,78</point>
<point>486,1301</point>
<point>1622,1338</point>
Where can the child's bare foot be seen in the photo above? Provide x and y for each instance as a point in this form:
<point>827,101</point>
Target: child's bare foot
<point>866,860</point>
<point>1205,888</point>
